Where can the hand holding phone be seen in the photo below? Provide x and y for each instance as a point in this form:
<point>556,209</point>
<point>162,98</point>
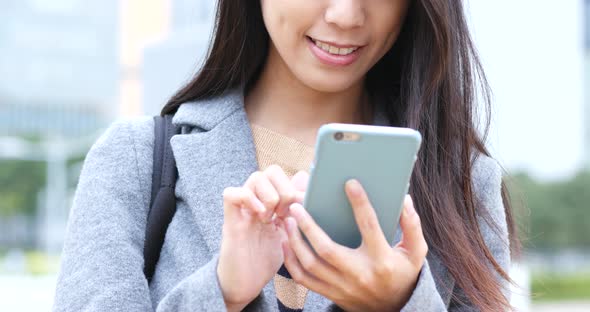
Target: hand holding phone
<point>374,277</point>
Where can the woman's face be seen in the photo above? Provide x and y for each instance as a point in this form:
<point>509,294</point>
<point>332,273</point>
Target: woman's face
<point>329,45</point>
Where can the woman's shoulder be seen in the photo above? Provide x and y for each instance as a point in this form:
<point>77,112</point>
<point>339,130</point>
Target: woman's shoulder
<point>126,146</point>
<point>132,137</point>
<point>486,172</point>
<point>121,133</point>
<point>486,180</point>
<point>129,137</point>
<point>486,175</point>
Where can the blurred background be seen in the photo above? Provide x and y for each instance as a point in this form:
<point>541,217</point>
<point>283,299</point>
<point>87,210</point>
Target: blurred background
<point>68,68</point>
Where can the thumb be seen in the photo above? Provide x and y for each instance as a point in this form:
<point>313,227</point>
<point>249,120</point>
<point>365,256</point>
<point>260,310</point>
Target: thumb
<point>413,242</point>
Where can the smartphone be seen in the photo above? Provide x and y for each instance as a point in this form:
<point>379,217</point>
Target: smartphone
<point>380,158</point>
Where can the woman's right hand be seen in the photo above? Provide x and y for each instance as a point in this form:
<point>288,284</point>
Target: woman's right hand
<point>251,251</point>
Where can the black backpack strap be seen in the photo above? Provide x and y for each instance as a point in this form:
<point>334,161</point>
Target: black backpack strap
<point>163,199</point>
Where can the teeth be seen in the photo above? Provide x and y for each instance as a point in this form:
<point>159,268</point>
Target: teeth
<point>334,50</point>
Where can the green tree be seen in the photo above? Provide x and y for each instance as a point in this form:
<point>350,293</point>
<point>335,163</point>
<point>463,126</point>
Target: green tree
<point>559,211</point>
<point>20,182</point>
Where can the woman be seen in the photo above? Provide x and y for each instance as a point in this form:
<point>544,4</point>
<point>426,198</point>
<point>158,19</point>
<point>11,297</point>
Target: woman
<point>276,71</point>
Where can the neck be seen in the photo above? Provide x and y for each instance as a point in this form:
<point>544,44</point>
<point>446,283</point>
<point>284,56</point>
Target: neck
<point>280,102</point>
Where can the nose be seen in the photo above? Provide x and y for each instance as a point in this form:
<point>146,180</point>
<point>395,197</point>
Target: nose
<point>346,13</point>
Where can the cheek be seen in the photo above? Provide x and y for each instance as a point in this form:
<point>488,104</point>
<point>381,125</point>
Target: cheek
<point>388,23</point>
<point>285,20</point>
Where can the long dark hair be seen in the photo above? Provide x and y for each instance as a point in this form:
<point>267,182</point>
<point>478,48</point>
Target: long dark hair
<point>427,81</point>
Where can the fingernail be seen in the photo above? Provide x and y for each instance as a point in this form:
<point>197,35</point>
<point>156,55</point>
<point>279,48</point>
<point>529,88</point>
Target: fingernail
<point>300,196</point>
<point>410,211</point>
<point>354,187</point>
<point>294,209</point>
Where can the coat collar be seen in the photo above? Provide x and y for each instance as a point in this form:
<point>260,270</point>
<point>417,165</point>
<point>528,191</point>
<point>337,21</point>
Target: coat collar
<point>208,113</point>
<point>218,153</point>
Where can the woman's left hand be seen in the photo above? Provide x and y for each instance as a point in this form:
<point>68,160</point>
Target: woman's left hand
<point>372,277</point>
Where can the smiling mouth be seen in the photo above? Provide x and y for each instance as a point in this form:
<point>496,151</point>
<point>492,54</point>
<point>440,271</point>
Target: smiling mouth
<point>333,49</point>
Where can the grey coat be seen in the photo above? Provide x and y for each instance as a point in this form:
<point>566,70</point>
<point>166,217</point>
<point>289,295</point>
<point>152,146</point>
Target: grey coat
<point>102,259</point>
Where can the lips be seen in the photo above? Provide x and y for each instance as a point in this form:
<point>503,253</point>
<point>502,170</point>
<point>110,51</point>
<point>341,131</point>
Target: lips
<point>335,49</point>
<point>334,54</point>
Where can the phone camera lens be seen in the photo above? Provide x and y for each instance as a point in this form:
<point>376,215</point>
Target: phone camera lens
<point>338,136</point>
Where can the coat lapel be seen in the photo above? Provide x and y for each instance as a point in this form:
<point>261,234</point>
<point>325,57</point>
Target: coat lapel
<point>219,152</point>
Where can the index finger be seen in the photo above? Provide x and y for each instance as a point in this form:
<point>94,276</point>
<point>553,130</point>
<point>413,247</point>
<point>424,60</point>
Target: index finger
<point>366,218</point>
<point>283,185</point>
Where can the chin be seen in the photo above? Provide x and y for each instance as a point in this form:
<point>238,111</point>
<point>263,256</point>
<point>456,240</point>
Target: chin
<point>329,83</point>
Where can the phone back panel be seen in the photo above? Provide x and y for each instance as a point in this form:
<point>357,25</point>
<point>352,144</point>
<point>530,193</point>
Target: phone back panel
<point>382,160</point>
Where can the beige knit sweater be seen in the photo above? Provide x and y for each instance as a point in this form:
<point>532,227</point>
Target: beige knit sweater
<point>292,155</point>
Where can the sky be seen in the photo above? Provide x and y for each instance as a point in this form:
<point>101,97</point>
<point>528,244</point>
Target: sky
<point>532,51</point>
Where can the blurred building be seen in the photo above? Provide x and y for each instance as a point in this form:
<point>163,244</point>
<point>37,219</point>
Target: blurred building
<point>142,21</point>
<point>58,66</point>
<point>170,62</point>
<point>67,69</point>
<point>189,13</point>
<point>59,70</point>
